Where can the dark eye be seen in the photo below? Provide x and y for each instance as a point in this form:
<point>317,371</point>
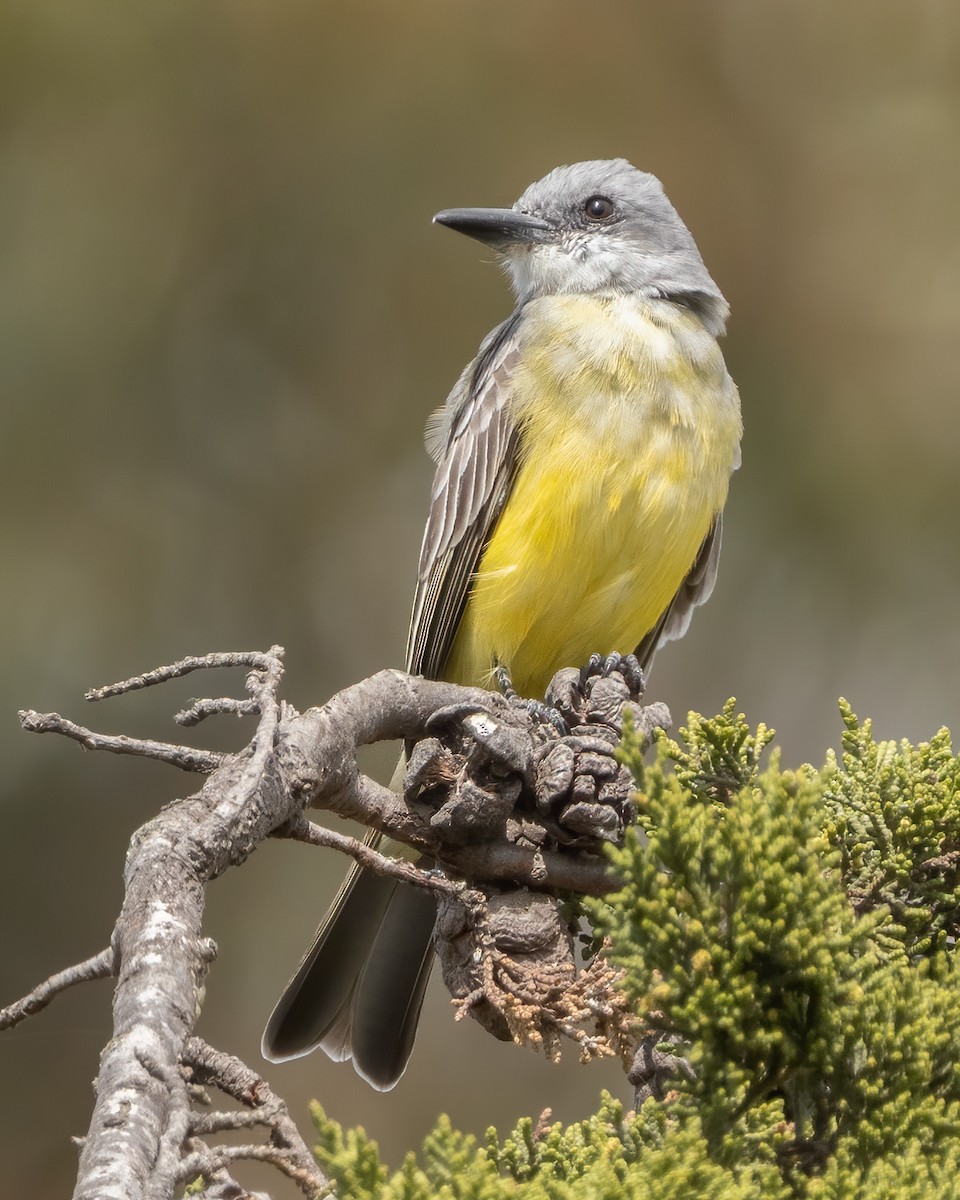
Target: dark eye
<point>598,208</point>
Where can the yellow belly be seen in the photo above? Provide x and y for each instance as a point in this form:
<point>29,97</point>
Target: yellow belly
<point>629,431</point>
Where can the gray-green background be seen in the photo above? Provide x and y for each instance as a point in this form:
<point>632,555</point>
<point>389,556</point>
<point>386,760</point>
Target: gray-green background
<point>224,317</point>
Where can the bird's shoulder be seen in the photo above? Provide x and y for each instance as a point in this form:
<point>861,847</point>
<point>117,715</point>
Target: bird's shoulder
<point>481,384</point>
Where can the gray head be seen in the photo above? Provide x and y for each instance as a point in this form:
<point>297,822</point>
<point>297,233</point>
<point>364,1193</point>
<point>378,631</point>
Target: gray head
<point>599,226</point>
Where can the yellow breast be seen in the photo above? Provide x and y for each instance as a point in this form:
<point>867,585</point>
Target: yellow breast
<point>630,427</point>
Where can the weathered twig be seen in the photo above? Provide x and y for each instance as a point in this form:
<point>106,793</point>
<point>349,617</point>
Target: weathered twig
<point>655,1071</point>
<point>549,870</point>
<point>144,1140</point>
<point>98,967</point>
<point>211,1162</point>
<point>186,666</point>
<point>287,1150</point>
<point>187,758</point>
<point>141,1116</point>
<point>368,857</point>
<point>201,709</point>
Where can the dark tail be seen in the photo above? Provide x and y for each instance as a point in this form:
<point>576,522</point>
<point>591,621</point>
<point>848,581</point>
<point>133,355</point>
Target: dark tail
<point>359,989</point>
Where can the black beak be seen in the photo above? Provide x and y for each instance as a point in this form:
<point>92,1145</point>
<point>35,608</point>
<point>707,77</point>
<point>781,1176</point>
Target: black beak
<point>498,227</point>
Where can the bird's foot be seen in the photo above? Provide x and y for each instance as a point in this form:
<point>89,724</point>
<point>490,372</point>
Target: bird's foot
<point>541,712</point>
<point>627,666</point>
<point>599,691</point>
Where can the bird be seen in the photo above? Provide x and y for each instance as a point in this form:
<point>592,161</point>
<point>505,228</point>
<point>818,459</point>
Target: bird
<point>583,460</point>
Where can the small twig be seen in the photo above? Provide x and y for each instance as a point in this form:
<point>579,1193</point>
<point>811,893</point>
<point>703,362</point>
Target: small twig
<point>543,1125</point>
<point>212,1162</point>
<point>942,863</point>
<point>185,666</point>
<point>262,684</point>
<point>201,709</point>
<point>287,1151</point>
<point>187,758</point>
<point>380,864</point>
<point>655,1072</point>
<point>540,870</point>
<point>220,1185</point>
<point>217,1122</point>
<point>100,966</point>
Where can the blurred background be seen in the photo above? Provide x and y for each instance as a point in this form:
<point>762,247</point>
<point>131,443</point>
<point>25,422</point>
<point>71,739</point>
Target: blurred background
<point>224,318</point>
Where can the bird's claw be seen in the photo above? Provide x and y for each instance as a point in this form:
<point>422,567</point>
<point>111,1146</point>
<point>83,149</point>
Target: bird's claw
<point>539,710</point>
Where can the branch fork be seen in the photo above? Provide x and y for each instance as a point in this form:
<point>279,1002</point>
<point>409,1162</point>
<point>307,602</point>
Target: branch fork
<point>495,794</point>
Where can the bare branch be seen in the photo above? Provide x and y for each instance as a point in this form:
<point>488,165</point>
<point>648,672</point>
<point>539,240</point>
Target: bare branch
<point>219,1122</point>
<point>211,1162</point>
<point>465,780</point>
<point>542,869</point>
<point>380,864</point>
<point>201,709</point>
<point>219,1184</point>
<point>287,1149</point>
<point>163,957</point>
<point>187,758</point>
<point>654,1071</point>
<point>100,966</point>
<point>185,666</point>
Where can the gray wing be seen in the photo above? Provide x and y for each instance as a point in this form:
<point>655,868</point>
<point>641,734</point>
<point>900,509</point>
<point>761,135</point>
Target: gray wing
<point>695,590</point>
<point>477,458</point>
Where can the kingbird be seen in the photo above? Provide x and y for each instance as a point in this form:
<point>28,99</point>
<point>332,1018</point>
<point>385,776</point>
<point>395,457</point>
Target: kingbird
<point>583,461</point>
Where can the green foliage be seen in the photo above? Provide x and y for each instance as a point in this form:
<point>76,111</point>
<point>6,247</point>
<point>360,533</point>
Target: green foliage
<point>350,1159</point>
<point>791,934</point>
<point>609,1156</point>
<point>894,811</point>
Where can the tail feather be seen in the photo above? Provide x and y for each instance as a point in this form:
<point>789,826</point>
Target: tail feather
<point>359,988</point>
<point>325,982</point>
<point>389,996</point>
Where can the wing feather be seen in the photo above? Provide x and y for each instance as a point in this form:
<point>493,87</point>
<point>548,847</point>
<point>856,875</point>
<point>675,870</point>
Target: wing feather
<point>474,476</point>
<point>694,591</point>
